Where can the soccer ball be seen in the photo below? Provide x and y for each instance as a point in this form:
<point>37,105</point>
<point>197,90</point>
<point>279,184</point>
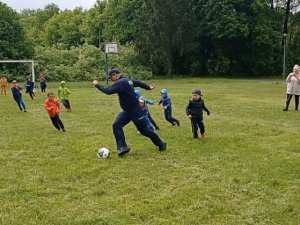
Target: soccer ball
<point>103,153</point>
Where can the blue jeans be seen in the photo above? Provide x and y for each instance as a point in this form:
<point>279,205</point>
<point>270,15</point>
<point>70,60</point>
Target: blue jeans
<point>19,100</point>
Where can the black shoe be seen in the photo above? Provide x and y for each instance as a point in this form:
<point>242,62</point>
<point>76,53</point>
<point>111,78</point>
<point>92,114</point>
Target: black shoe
<point>174,123</point>
<point>124,151</point>
<point>285,110</point>
<point>25,110</point>
<point>178,123</point>
<point>163,147</point>
<point>63,130</point>
<point>156,128</point>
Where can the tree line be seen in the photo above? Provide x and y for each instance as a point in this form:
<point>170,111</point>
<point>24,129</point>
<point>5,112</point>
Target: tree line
<point>156,38</point>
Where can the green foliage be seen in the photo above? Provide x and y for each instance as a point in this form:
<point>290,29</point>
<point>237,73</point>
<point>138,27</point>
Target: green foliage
<point>33,22</point>
<point>246,170</point>
<point>64,29</point>
<point>79,63</point>
<point>238,37</point>
<point>13,44</point>
<point>128,60</point>
<point>170,37</point>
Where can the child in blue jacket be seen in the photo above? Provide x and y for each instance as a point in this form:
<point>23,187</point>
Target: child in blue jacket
<point>148,102</point>
<point>167,106</point>
<point>17,95</point>
<point>144,107</point>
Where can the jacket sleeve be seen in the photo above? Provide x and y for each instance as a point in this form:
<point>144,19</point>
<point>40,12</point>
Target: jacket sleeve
<point>137,83</point>
<point>168,102</point>
<point>205,109</point>
<point>149,101</point>
<point>288,79</point>
<point>115,88</point>
<point>59,93</point>
<point>47,106</point>
<point>58,105</point>
<point>187,110</point>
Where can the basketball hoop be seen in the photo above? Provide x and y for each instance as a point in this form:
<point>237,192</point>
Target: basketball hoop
<point>111,48</point>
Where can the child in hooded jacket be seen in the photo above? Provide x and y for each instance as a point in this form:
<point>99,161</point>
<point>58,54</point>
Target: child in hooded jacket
<point>194,111</point>
<point>52,106</point>
<point>145,110</point>
<point>148,102</point>
<point>167,106</point>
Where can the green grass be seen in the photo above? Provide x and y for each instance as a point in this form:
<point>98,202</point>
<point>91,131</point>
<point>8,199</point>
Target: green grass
<point>246,171</point>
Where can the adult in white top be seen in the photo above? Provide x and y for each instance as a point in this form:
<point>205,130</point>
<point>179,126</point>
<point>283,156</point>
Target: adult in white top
<point>293,87</point>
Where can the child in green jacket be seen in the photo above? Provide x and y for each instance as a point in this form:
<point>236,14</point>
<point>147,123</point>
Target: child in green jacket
<point>63,95</point>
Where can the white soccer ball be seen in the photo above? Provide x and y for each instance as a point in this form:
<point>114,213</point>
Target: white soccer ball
<point>103,153</point>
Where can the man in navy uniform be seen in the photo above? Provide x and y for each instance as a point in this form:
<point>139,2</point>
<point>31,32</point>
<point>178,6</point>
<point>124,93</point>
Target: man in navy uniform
<point>124,87</point>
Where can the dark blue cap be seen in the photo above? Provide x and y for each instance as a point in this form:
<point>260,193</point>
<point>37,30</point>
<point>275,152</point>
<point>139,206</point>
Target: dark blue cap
<point>113,71</point>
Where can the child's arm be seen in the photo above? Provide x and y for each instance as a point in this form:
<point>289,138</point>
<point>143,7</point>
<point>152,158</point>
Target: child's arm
<point>187,110</point>
<point>149,101</point>
<point>206,109</point>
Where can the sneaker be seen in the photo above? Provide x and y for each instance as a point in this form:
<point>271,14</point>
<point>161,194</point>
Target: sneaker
<point>285,110</point>
<point>156,128</point>
<point>163,147</point>
<point>174,123</point>
<point>178,123</point>
<point>124,151</point>
<point>63,130</point>
<point>25,110</point>
<point>202,135</point>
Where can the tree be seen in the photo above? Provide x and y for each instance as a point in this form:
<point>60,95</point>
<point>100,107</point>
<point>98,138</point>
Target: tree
<point>13,43</point>
<point>64,29</point>
<point>34,21</point>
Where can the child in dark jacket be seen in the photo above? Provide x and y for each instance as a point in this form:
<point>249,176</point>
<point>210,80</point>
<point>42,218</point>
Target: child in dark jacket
<point>17,95</point>
<point>144,107</point>
<point>148,102</point>
<point>52,106</point>
<point>29,84</point>
<point>167,106</point>
<point>194,111</point>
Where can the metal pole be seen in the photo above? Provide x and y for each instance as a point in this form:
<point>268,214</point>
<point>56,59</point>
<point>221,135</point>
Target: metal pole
<point>32,74</point>
<point>106,67</point>
<point>284,55</point>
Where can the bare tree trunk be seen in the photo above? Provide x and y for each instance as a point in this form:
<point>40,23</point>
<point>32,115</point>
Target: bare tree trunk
<point>271,2</point>
<point>286,19</point>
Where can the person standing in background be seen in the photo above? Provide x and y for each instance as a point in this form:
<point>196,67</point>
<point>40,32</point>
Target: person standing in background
<point>43,83</point>
<point>293,87</point>
<point>3,83</point>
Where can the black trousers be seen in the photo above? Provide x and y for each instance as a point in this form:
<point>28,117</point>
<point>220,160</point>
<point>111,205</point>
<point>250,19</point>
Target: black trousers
<point>58,124</point>
<point>66,103</point>
<point>169,118</point>
<point>197,123</point>
<point>141,124</point>
<point>288,100</point>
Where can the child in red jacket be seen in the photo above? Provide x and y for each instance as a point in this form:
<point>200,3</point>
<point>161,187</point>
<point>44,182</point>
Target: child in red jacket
<point>53,107</point>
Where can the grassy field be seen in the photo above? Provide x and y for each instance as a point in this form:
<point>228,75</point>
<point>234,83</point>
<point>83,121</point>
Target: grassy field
<point>246,171</point>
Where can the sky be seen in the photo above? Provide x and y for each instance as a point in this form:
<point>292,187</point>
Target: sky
<point>18,5</point>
